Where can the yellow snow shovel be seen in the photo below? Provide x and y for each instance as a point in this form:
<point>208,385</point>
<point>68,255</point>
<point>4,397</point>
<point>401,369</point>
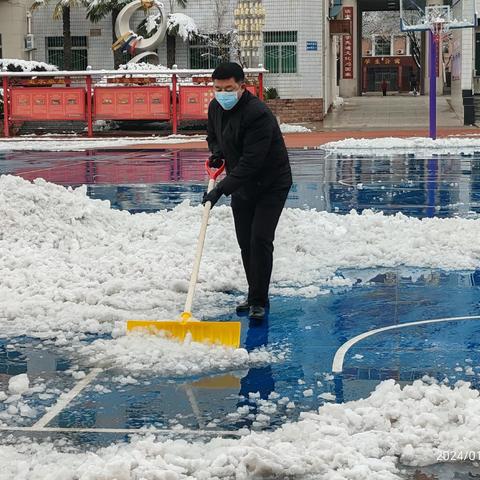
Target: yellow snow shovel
<point>224,333</point>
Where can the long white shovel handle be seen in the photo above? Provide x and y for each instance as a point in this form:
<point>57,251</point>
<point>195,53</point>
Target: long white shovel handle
<point>213,174</point>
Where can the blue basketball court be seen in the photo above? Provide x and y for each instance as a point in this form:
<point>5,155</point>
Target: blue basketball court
<point>394,323</point>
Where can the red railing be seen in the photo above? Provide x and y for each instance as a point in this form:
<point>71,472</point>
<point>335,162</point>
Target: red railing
<point>170,95</point>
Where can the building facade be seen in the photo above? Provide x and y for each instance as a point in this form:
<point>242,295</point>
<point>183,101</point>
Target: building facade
<point>388,57</point>
<point>294,45</point>
<point>14,21</point>
<point>310,60</point>
<point>464,60</point>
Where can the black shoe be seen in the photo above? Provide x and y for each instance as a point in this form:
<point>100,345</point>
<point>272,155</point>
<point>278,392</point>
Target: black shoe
<point>243,308</point>
<point>256,313</point>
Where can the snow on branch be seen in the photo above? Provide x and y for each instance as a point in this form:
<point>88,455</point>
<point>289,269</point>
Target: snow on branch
<point>182,25</point>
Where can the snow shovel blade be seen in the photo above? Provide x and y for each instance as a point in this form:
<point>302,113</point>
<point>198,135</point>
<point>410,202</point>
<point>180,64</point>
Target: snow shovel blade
<point>222,333</point>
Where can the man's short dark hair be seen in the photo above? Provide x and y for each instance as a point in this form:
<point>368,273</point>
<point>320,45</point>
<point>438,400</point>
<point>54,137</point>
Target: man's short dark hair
<point>229,70</point>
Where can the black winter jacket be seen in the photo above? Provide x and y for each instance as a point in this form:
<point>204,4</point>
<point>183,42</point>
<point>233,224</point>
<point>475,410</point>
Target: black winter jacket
<point>248,137</point>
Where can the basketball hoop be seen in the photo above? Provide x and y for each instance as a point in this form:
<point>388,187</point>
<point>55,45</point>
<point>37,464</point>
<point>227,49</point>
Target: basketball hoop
<point>419,16</point>
<point>437,30</point>
<point>438,18</point>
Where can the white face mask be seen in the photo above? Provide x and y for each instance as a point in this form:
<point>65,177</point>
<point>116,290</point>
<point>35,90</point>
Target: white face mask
<point>227,100</point>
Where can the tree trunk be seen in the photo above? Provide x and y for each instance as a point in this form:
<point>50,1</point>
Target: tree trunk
<point>67,38</point>
<point>171,50</point>
<point>117,54</point>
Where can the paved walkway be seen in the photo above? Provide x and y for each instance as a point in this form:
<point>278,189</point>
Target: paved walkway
<point>391,112</point>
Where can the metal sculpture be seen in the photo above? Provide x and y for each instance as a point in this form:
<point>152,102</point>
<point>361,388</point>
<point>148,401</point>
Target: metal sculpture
<point>130,41</point>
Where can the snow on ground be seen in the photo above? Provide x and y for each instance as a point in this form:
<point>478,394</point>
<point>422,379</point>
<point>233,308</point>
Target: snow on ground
<point>289,128</point>
<point>55,143</point>
<point>148,353</point>
<point>70,264</point>
<point>77,144</point>
<point>421,146</point>
<point>338,103</point>
<point>368,439</point>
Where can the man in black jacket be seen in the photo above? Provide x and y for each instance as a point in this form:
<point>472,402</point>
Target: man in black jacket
<point>243,132</point>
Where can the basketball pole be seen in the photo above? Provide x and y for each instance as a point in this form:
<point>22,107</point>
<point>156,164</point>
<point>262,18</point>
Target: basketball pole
<point>433,86</point>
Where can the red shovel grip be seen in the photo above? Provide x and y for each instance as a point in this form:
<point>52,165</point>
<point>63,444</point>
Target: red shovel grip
<point>214,173</point>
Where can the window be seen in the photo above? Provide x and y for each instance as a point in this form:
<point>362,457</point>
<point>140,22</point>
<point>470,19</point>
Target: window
<point>207,51</point>
<point>79,52</point>
<point>382,46</point>
<point>280,52</point>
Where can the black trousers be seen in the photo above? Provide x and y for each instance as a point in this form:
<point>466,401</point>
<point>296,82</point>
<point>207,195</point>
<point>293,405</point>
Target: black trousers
<point>256,220</point>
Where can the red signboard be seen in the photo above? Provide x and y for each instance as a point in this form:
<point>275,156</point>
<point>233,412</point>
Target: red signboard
<point>132,103</point>
<point>389,61</point>
<point>347,47</point>
<point>48,103</point>
<point>340,27</point>
<point>194,101</point>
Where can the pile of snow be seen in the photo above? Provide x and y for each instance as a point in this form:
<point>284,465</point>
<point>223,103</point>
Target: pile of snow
<point>365,439</point>
<point>70,264</point>
<point>18,384</point>
<point>182,25</point>
<point>289,128</point>
<point>338,102</point>
<point>139,353</point>
<point>104,125</point>
<point>17,399</point>
<point>418,146</point>
<point>16,65</point>
<point>76,144</point>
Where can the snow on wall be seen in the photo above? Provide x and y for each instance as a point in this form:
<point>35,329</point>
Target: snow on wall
<point>14,64</point>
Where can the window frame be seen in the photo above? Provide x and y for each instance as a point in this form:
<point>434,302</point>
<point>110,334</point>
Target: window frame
<point>282,42</point>
<point>79,44</point>
<point>386,40</point>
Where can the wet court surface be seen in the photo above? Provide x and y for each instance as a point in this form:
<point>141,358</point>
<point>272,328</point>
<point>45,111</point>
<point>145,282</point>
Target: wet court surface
<point>309,330</point>
<point>152,180</point>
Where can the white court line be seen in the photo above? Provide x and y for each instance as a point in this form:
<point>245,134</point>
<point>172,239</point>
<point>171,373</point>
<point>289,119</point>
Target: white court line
<point>337,366</point>
<point>34,429</point>
<point>65,399</point>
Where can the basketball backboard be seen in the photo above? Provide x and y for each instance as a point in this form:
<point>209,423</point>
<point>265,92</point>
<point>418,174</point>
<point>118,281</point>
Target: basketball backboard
<point>418,15</point>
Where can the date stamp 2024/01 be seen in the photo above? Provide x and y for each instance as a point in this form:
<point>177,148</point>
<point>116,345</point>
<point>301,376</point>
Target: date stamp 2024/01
<point>458,456</point>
